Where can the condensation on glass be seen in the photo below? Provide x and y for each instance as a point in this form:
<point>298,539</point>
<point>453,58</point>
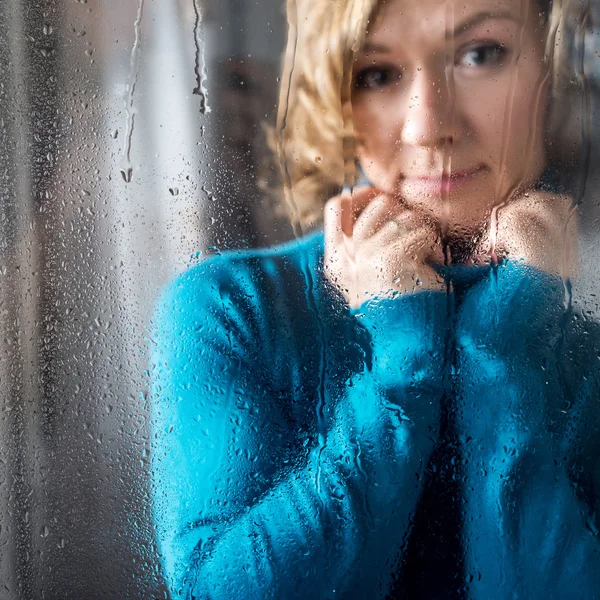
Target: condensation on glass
<point>94,93</point>
<point>183,415</point>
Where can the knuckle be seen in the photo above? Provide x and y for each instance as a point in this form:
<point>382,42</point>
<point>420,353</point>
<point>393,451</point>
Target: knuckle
<point>333,203</point>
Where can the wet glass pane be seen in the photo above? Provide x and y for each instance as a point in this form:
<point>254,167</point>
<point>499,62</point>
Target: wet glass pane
<point>299,299</point>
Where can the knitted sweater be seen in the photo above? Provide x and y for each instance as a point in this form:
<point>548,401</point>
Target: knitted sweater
<point>432,445</point>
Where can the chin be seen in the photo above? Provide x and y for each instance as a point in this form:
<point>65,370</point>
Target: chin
<point>459,214</point>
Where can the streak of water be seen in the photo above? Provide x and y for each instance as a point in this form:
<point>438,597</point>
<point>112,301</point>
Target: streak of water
<point>200,62</point>
<point>127,169</point>
<point>448,129</point>
<point>500,200</point>
<point>365,487</point>
<point>535,111</point>
<point>577,198</point>
<point>282,114</point>
<point>585,151</point>
<point>449,342</point>
<point>284,105</point>
<point>348,144</point>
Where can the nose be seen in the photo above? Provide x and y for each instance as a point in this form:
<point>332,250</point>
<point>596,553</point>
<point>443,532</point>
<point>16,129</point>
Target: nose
<point>426,111</point>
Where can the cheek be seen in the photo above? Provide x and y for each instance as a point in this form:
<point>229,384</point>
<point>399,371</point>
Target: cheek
<point>529,109</point>
<point>373,130</point>
<point>503,112</point>
<point>482,106</point>
<point>375,150</point>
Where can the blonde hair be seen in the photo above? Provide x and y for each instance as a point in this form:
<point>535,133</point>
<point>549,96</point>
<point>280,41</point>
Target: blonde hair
<point>314,137</point>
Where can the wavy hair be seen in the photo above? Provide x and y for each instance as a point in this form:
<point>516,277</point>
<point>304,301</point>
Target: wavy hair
<point>313,142</point>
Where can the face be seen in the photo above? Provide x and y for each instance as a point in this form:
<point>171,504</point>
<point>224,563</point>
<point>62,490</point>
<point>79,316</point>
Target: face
<point>448,104</point>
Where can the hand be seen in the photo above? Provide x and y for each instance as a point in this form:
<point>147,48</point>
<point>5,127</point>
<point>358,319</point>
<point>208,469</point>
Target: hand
<point>376,247</point>
<point>538,228</point>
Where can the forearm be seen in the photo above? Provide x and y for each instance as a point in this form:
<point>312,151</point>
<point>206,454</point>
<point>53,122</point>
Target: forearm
<point>334,524</point>
<point>528,408</point>
<point>338,517</point>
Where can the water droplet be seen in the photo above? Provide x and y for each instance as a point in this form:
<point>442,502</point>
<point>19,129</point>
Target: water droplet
<point>127,174</point>
<point>174,191</point>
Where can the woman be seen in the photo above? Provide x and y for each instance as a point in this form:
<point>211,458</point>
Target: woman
<point>398,405</point>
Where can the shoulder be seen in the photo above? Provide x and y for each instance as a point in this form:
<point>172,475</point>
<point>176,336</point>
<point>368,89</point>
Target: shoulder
<point>243,270</point>
<point>530,314</point>
<point>239,292</point>
<point>513,295</point>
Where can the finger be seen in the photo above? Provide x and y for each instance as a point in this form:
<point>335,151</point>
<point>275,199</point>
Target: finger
<point>339,216</point>
<point>332,222</point>
<point>403,222</point>
<point>412,258</point>
<point>353,204</point>
<point>407,268</point>
<point>380,211</point>
<point>540,229</point>
<point>395,230</point>
<point>420,246</point>
<point>543,208</point>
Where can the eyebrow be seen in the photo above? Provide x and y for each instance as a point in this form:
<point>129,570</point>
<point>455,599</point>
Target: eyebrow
<point>469,23</point>
<point>482,16</point>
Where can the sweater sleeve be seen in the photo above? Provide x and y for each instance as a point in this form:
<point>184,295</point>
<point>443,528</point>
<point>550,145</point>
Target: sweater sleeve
<point>218,438</point>
<point>333,518</point>
<point>529,418</point>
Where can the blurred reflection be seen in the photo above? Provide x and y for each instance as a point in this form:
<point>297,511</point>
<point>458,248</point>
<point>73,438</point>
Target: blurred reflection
<point>401,402</point>
<point>245,100</point>
<point>82,254</point>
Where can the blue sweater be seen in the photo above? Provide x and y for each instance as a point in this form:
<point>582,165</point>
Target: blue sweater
<point>427,446</point>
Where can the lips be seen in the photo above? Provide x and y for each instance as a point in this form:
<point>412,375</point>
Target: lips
<point>439,184</point>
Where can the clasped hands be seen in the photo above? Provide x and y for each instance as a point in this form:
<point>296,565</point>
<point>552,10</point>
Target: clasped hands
<point>377,246</point>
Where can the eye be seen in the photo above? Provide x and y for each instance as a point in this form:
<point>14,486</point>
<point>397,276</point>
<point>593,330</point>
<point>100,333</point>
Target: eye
<point>483,55</point>
<point>376,77</point>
